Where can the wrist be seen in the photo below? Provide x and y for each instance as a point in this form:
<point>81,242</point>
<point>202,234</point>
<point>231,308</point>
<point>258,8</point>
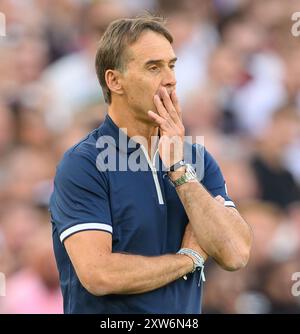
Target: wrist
<point>198,262</point>
<point>184,174</point>
<point>174,175</point>
<point>190,263</point>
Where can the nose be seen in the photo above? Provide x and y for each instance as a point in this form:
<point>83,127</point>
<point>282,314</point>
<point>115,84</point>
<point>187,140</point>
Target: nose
<point>169,79</point>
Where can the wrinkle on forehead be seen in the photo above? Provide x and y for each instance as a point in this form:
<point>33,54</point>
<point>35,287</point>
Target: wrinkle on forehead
<point>150,45</point>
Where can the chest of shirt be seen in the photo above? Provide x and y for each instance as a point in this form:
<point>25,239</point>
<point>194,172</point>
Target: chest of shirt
<point>147,215</point>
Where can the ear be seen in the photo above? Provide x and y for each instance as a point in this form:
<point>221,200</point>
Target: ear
<point>113,81</point>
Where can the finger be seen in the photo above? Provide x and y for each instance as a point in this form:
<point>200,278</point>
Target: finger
<point>220,199</point>
<point>176,103</point>
<point>162,110</point>
<point>155,117</point>
<point>169,105</point>
<point>163,124</point>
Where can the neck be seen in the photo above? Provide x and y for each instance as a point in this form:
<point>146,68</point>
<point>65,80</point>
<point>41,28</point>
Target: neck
<point>125,117</point>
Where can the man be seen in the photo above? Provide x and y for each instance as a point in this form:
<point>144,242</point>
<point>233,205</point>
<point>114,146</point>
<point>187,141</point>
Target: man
<point>116,233</point>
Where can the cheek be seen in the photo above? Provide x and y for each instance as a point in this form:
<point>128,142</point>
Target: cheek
<point>139,88</point>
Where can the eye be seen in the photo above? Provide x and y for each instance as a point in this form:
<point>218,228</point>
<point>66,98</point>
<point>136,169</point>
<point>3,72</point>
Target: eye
<point>153,68</point>
<point>172,66</point>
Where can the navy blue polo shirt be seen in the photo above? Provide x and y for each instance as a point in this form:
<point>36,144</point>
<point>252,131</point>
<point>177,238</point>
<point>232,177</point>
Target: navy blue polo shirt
<point>140,208</point>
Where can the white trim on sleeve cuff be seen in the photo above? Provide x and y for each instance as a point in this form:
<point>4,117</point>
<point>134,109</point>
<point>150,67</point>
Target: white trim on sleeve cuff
<point>84,227</point>
<point>229,203</point>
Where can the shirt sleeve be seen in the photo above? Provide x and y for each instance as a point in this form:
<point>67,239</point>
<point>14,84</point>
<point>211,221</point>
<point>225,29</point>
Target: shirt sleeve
<point>80,199</point>
<point>213,179</point>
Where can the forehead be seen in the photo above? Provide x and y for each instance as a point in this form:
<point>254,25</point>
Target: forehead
<point>150,45</point>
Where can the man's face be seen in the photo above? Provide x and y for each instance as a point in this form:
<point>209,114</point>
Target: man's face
<point>150,67</point>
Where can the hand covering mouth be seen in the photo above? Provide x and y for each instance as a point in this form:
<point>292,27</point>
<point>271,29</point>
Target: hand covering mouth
<point>169,91</point>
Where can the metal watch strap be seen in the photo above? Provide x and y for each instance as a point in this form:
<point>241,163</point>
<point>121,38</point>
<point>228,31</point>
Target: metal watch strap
<point>189,175</point>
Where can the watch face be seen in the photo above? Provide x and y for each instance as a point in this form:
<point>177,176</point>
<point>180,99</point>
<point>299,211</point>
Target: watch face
<point>191,170</point>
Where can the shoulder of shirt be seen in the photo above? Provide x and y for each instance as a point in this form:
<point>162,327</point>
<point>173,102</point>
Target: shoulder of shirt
<point>205,163</point>
<point>84,150</point>
<point>80,161</point>
<point>207,156</point>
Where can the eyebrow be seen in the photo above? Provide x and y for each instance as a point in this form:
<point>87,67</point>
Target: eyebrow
<point>158,61</point>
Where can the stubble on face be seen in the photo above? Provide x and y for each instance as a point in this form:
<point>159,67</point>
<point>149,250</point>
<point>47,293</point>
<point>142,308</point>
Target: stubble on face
<point>141,85</point>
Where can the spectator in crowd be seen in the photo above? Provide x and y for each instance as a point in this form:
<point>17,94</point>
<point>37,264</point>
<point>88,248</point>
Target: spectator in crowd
<point>276,183</point>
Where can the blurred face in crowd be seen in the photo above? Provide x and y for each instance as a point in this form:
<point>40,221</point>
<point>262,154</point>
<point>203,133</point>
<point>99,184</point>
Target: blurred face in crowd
<point>31,58</point>
<point>264,221</point>
<point>281,132</point>
<point>226,66</point>
<point>150,66</point>
<point>38,255</point>
<point>98,17</point>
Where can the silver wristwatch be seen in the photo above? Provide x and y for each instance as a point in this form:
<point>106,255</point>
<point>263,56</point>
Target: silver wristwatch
<point>190,174</point>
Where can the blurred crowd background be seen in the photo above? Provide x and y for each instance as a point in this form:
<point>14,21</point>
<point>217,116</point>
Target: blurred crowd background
<point>238,76</point>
